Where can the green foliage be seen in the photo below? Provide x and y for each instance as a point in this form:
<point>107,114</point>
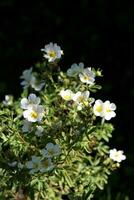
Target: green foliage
<point>83,165</point>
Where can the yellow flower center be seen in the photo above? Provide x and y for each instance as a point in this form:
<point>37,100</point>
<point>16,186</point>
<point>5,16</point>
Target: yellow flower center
<point>46,163</point>
<point>99,108</point>
<point>85,103</point>
<point>117,155</point>
<point>34,114</point>
<point>81,99</point>
<point>67,97</point>
<point>51,152</point>
<point>52,54</point>
<point>85,77</point>
<point>108,110</point>
<point>35,165</point>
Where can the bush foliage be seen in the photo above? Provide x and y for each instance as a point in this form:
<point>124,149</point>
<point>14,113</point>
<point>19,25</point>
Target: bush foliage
<point>53,146</point>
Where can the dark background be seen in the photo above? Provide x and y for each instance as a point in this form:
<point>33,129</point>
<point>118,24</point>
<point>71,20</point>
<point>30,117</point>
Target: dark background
<point>100,34</point>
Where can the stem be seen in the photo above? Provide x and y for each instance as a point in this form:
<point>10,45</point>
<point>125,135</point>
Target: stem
<point>103,120</point>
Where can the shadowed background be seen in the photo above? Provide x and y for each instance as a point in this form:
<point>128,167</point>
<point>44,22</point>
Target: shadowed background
<point>98,33</point>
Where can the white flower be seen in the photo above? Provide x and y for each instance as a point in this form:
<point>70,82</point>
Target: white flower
<point>75,69</point>
<point>39,131</point>
<point>81,99</point>
<point>87,76</point>
<point>52,52</point>
<point>36,85</point>
<point>51,150</point>
<point>109,110</point>
<point>98,108</point>
<point>8,100</point>
<point>13,164</point>
<point>30,80</point>
<point>26,126</point>
<point>27,76</point>
<point>34,164</point>
<point>104,110</point>
<point>20,165</point>
<point>34,113</point>
<point>32,100</point>
<point>66,94</point>
<point>46,165</point>
<point>117,155</point>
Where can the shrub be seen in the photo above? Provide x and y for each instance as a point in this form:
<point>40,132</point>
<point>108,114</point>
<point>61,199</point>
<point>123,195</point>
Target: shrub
<point>54,138</point>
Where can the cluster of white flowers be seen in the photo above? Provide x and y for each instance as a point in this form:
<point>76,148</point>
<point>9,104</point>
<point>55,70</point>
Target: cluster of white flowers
<point>106,110</point>
<point>52,52</point>
<point>44,163</point>
<point>33,111</point>
<point>86,75</point>
<point>30,80</point>
<point>80,98</point>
